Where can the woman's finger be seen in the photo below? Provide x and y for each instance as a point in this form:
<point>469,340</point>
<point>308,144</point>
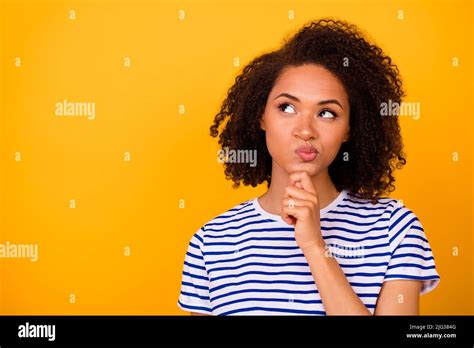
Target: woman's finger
<point>298,212</point>
<point>295,202</point>
<point>292,191</point>
<point>305,180</point>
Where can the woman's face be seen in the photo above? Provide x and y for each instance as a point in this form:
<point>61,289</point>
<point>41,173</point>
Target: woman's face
<point>306,111</point>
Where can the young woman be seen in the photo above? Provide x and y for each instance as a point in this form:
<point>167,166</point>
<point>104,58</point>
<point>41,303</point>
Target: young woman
<point>322,240</point>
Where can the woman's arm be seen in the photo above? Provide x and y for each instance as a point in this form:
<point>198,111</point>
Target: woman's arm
<point>336,293</point>
<point>300,207</point>
<point>397,297</point>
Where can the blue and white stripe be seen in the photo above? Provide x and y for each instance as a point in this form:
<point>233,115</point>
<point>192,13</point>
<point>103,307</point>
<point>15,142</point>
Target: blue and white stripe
<point>246,260</point>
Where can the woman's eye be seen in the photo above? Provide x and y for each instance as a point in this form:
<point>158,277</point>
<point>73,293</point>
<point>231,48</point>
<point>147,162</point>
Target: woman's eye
<point>327,114</point>
<point>285,106</point>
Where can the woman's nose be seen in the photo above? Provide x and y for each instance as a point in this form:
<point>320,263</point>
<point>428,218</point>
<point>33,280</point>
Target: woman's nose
<point>306,127</point>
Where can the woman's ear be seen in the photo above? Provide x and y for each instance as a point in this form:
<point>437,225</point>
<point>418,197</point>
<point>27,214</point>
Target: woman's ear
<point>262,124</point>
<point>347,136</point>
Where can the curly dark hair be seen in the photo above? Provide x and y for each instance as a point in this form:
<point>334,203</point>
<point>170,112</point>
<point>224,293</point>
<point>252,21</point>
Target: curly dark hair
<point>370,78</point>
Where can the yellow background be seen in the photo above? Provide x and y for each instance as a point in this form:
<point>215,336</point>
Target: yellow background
<point>190,62</point>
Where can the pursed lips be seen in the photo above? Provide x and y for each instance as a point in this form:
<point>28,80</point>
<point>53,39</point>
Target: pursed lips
<point>307,152</point>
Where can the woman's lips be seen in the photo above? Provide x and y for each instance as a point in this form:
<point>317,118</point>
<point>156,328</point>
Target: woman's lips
<point>307,156</point>
<point>307,153</point>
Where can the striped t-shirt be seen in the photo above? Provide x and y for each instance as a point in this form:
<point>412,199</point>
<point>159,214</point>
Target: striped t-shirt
<point>246,260</point>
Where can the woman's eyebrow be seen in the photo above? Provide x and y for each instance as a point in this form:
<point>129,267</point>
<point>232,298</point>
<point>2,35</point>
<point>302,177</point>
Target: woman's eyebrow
<point>321,102</point>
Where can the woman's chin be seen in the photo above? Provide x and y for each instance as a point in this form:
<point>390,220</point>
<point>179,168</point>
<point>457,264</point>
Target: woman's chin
<point>310,167</point>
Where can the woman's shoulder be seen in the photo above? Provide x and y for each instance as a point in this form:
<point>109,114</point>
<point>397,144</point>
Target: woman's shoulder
<point>381,201</point>
<point>236,212</point>
<point>353,201</point>
<point>392,210</point>
<point>242,211</point>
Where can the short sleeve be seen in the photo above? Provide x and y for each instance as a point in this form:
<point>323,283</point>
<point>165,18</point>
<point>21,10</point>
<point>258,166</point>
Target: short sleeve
<point>411,254</point>
<point>194,295</point>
